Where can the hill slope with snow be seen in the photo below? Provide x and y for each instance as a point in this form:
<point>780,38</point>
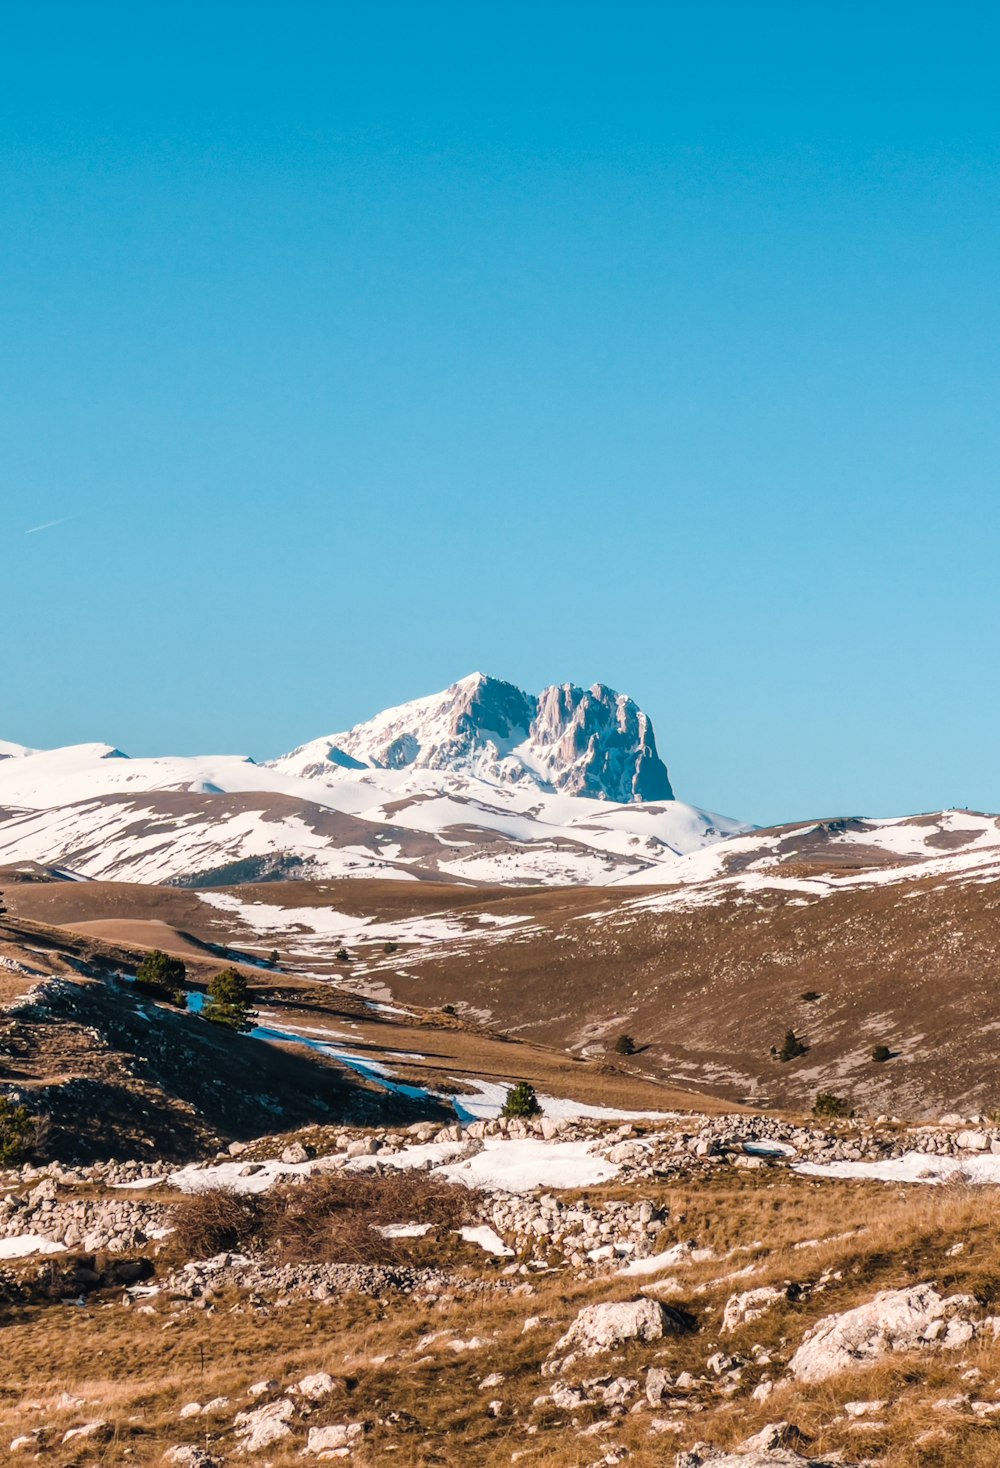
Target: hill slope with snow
<point>480,783</point>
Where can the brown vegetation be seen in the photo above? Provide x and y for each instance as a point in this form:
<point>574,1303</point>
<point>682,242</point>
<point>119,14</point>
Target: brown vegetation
<point>423,1399</point>
<point>328,1218</point>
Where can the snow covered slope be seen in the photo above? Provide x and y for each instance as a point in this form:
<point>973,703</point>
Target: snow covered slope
<point>481,783</point>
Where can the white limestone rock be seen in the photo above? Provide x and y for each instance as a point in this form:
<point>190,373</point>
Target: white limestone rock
<point>895,1320</point>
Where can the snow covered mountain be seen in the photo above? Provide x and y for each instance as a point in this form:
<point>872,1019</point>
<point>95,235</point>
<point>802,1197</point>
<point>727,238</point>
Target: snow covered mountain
<point>591,742</point>
<point>480,783</point>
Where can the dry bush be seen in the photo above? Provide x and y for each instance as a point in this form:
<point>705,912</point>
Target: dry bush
<point>335,1217</point>
<point>214,1221</point>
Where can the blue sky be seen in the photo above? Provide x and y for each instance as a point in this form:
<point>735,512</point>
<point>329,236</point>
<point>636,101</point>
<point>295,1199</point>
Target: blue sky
<point>358,347</point>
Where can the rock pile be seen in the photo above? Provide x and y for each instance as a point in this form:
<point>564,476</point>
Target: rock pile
<point>580,1231</point>
<point>85,1223</point>
<point>206,1278</point>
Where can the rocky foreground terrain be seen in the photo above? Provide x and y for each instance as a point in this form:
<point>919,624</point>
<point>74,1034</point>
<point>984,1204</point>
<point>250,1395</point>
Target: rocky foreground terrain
<point>695,1290</point>
<point>320,1241</point>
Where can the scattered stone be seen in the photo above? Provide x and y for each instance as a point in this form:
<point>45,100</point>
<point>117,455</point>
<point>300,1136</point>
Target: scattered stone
<point>702,1455</point>
<point>774,1435</point>
<point>99,1428</point>
<point>750,1305</point>
<point>864,1409</point>
<point>657,1383</point>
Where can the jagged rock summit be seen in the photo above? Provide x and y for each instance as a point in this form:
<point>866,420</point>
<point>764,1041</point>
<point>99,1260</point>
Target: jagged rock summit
<point>579,741</point>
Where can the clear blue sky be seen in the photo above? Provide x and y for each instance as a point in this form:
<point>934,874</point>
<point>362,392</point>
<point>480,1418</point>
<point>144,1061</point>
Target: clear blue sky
<point>361,346</point>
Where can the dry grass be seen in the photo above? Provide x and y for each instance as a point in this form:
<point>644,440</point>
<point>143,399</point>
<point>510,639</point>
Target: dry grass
<point>137,1370</point>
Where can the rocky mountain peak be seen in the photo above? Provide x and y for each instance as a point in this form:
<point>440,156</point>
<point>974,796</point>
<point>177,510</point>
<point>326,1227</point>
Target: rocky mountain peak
<point>593,742</point>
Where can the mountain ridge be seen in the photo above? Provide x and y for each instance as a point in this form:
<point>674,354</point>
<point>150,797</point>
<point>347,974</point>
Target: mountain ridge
<point>478,783</point>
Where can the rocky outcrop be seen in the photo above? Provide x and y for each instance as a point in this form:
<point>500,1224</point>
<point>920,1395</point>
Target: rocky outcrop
<point>895,1320</point>
<point>597,742</point>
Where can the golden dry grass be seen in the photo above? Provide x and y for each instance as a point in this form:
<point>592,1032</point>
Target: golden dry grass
<point>137,1370</point>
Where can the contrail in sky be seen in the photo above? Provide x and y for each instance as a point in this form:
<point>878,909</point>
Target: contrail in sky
<point>47,526</point>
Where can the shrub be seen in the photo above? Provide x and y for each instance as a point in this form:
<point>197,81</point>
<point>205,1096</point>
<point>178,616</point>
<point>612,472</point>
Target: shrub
<point>274,958</point>
<point>342,955</point>
<point>827,1104</point>
<point>793,1047</point>
<point>228,1001</point>
<point>162,977</point>
<point>521,1101</point>
<point>390,947</point>
<point>336,1217</point>
<point>214,1221</point>
<point>810,996</point>
<point>881,1053</point>
<point>17,1129</point>
<point>624,1045</point>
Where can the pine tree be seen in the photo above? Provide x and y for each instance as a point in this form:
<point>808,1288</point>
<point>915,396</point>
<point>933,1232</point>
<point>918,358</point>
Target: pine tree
<point>521,1101</point>
<point>228,1001</point>
<point>624,1045</point>
<point>793,1047</point>
<point>162,977</point>
<point>16,1125</point>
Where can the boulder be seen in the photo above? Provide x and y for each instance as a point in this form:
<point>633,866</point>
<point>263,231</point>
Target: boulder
<point>333,1439</point>
<point>262,1427</point>
<point>599,1328</point>
<point>895,1320</point>
<point>314,1388</point>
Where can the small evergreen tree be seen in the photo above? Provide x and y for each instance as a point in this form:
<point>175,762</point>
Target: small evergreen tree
<point>228,1001</point>
<point>162,977</point>
<point>793,1047</point>
<point>521,1101</point>
<point>827,1104</point>
<point>624,1045</point>
<point>810,996</point>
<point>342,955</point>
<point>881,1053</point>
<point>16,1125</point>
<point>274,958</point>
